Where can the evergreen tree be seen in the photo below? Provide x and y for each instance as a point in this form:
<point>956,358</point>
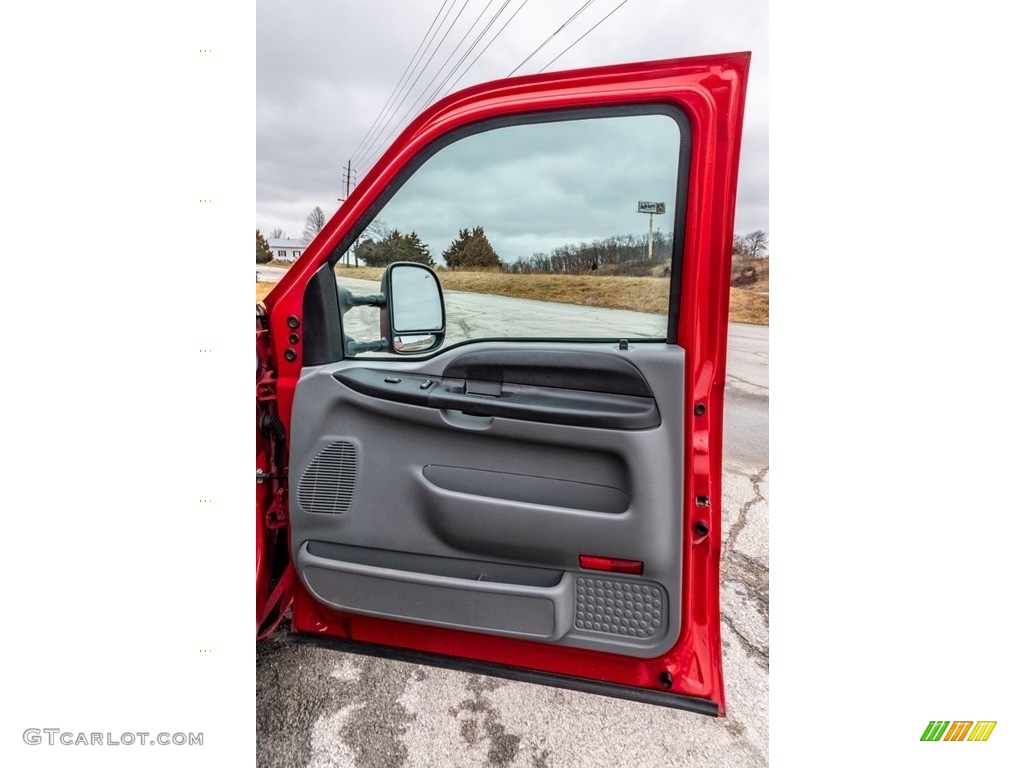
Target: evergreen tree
<point>471,250</point>
<point>263,253</point>
<point>394,246</point>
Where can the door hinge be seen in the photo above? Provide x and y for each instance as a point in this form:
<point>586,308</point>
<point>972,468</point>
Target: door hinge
<point>262,476</point>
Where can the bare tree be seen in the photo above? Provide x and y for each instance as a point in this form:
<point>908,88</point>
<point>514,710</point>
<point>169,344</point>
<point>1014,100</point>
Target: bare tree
<point>277,233</point>
<point>377,229</point>
<point>314,223</point>
<point>757,243</point>
<point>739,246</point>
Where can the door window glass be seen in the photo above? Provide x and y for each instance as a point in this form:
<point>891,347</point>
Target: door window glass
<point>563,229</point>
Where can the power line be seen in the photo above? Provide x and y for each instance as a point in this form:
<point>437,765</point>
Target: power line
<point>374,142</point>
<point>418,102</point>
<point>466,71</point>
<point>453,52</point>
<point>613,10</point>
<point>408,66</point>
<point>469,50</point>
<point>564,24</point>
<point>396,105</point>
<point>482,52</point>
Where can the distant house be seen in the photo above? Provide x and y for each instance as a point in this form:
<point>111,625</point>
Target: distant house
<point>286,248</point>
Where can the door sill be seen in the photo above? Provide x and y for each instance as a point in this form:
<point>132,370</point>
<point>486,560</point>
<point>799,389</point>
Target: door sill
<point>470,666</point>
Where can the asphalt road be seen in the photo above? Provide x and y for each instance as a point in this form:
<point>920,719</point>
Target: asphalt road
<point>321,708</point>
<point>268,274</point>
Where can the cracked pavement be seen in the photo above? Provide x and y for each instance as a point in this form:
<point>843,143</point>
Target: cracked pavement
<point>321,708</point>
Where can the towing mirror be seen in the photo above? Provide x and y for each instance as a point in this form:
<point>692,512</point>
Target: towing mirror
<point>413,321</point>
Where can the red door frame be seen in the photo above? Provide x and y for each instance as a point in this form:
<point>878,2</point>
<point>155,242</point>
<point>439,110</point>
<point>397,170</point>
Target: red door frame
<point>710,90</point>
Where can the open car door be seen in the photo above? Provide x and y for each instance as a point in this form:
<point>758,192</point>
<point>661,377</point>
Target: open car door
<point>525,488</point>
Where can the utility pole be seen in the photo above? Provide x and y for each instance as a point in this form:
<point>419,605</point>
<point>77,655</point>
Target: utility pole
<point>650,237</point>
<point>349,178</point>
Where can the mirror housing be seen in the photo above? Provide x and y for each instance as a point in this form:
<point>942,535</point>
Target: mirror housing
<point>413,321</point>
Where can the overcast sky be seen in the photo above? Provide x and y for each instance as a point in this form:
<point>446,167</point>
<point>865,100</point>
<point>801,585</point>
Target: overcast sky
<point>326,68</point>
<point>536,187</point>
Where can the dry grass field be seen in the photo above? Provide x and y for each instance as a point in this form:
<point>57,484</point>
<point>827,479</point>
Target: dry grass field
<point>642,294</point>
<point>748,306</point>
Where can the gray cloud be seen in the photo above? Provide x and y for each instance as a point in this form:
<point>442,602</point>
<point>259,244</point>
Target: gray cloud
<point>535,187</point>
<point>324,70</point>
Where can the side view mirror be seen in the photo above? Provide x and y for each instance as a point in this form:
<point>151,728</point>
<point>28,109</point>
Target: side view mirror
<point>411,311</point>
<point>413,320</point>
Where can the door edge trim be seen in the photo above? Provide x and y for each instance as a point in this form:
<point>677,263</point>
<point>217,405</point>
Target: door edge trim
<point>518,674</point>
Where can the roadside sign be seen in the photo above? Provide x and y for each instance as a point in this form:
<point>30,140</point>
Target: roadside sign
<point>645,207</point>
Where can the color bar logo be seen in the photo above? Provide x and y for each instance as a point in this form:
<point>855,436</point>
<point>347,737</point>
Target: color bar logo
<point>958,730</point>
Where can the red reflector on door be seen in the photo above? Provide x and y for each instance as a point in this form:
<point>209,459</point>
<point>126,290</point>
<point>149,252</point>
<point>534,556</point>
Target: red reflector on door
<point>635,567</point>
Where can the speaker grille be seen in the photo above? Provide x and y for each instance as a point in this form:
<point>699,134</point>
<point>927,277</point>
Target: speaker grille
<point>627,608</point>
<point>329,481</point>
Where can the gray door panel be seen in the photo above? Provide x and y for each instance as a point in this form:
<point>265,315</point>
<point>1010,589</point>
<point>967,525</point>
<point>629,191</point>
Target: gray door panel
<point>416,592</point>
<point>471,509</point>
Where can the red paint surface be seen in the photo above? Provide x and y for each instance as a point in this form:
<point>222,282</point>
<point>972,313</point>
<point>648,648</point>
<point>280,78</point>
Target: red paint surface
<point>710,91</point>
